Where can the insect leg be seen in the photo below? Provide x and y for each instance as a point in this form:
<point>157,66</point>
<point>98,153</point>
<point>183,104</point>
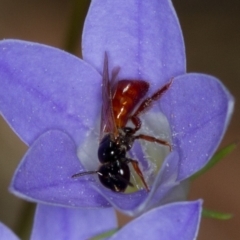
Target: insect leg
<point>138,171</point>
<point>153,139</point>
<point>147,103</point>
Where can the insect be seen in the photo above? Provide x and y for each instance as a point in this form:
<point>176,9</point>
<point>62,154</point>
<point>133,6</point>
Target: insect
<point>116,138</point>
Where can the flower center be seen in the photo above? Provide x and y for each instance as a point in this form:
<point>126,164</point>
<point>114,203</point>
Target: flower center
<point>150,155</point>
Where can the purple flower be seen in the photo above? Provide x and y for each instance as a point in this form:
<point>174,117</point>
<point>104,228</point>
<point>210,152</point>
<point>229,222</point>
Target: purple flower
<point>60,223</point>
<point>52,100</point>
<point>6,233</point>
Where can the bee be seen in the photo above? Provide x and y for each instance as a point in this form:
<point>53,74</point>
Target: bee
<point>123,101</point>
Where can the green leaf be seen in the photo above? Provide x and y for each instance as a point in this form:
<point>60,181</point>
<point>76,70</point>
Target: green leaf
<point>105,234</point>
<point>216,215</point>
<point>215,159</point>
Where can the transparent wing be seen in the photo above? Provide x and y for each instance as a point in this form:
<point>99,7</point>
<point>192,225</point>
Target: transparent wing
<point>107,118</point>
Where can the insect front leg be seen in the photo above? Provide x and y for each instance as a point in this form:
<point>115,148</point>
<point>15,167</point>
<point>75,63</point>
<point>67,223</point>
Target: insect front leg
<point>138,171</point>
<point>147,103</point>
<point>153,139</point>
<point>136,122</point>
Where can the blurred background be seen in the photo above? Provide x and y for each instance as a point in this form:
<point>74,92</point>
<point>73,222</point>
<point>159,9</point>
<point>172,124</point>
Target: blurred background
<point>212,36</point>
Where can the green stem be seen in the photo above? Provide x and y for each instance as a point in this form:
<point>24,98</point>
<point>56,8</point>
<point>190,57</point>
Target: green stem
<point>24,224</point>
<point>218,156</point>
<point>105,234</point>
<point>216,215</point>
<point>74,32</point>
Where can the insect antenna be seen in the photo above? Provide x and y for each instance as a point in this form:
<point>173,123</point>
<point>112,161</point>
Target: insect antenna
<point>85,173</point>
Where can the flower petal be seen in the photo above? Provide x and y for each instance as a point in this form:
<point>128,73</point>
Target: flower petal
<point>60,223</point>
<point>178,221</point>
<point>166,187</point>
<point>44,175</point>
<point>198,108</point>
<point>43,88</point>
<point>6,233</point>
<point>144,38</point>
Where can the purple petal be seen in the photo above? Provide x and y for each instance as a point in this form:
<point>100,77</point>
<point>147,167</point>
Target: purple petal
<point>198,108</point>
<point>44,175</point>
<point>178,221</point>
<point>60,223</point>
<point>6,233</point>
<point>144,38</point>
<point>166,187</point>
<point>44,88</point>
